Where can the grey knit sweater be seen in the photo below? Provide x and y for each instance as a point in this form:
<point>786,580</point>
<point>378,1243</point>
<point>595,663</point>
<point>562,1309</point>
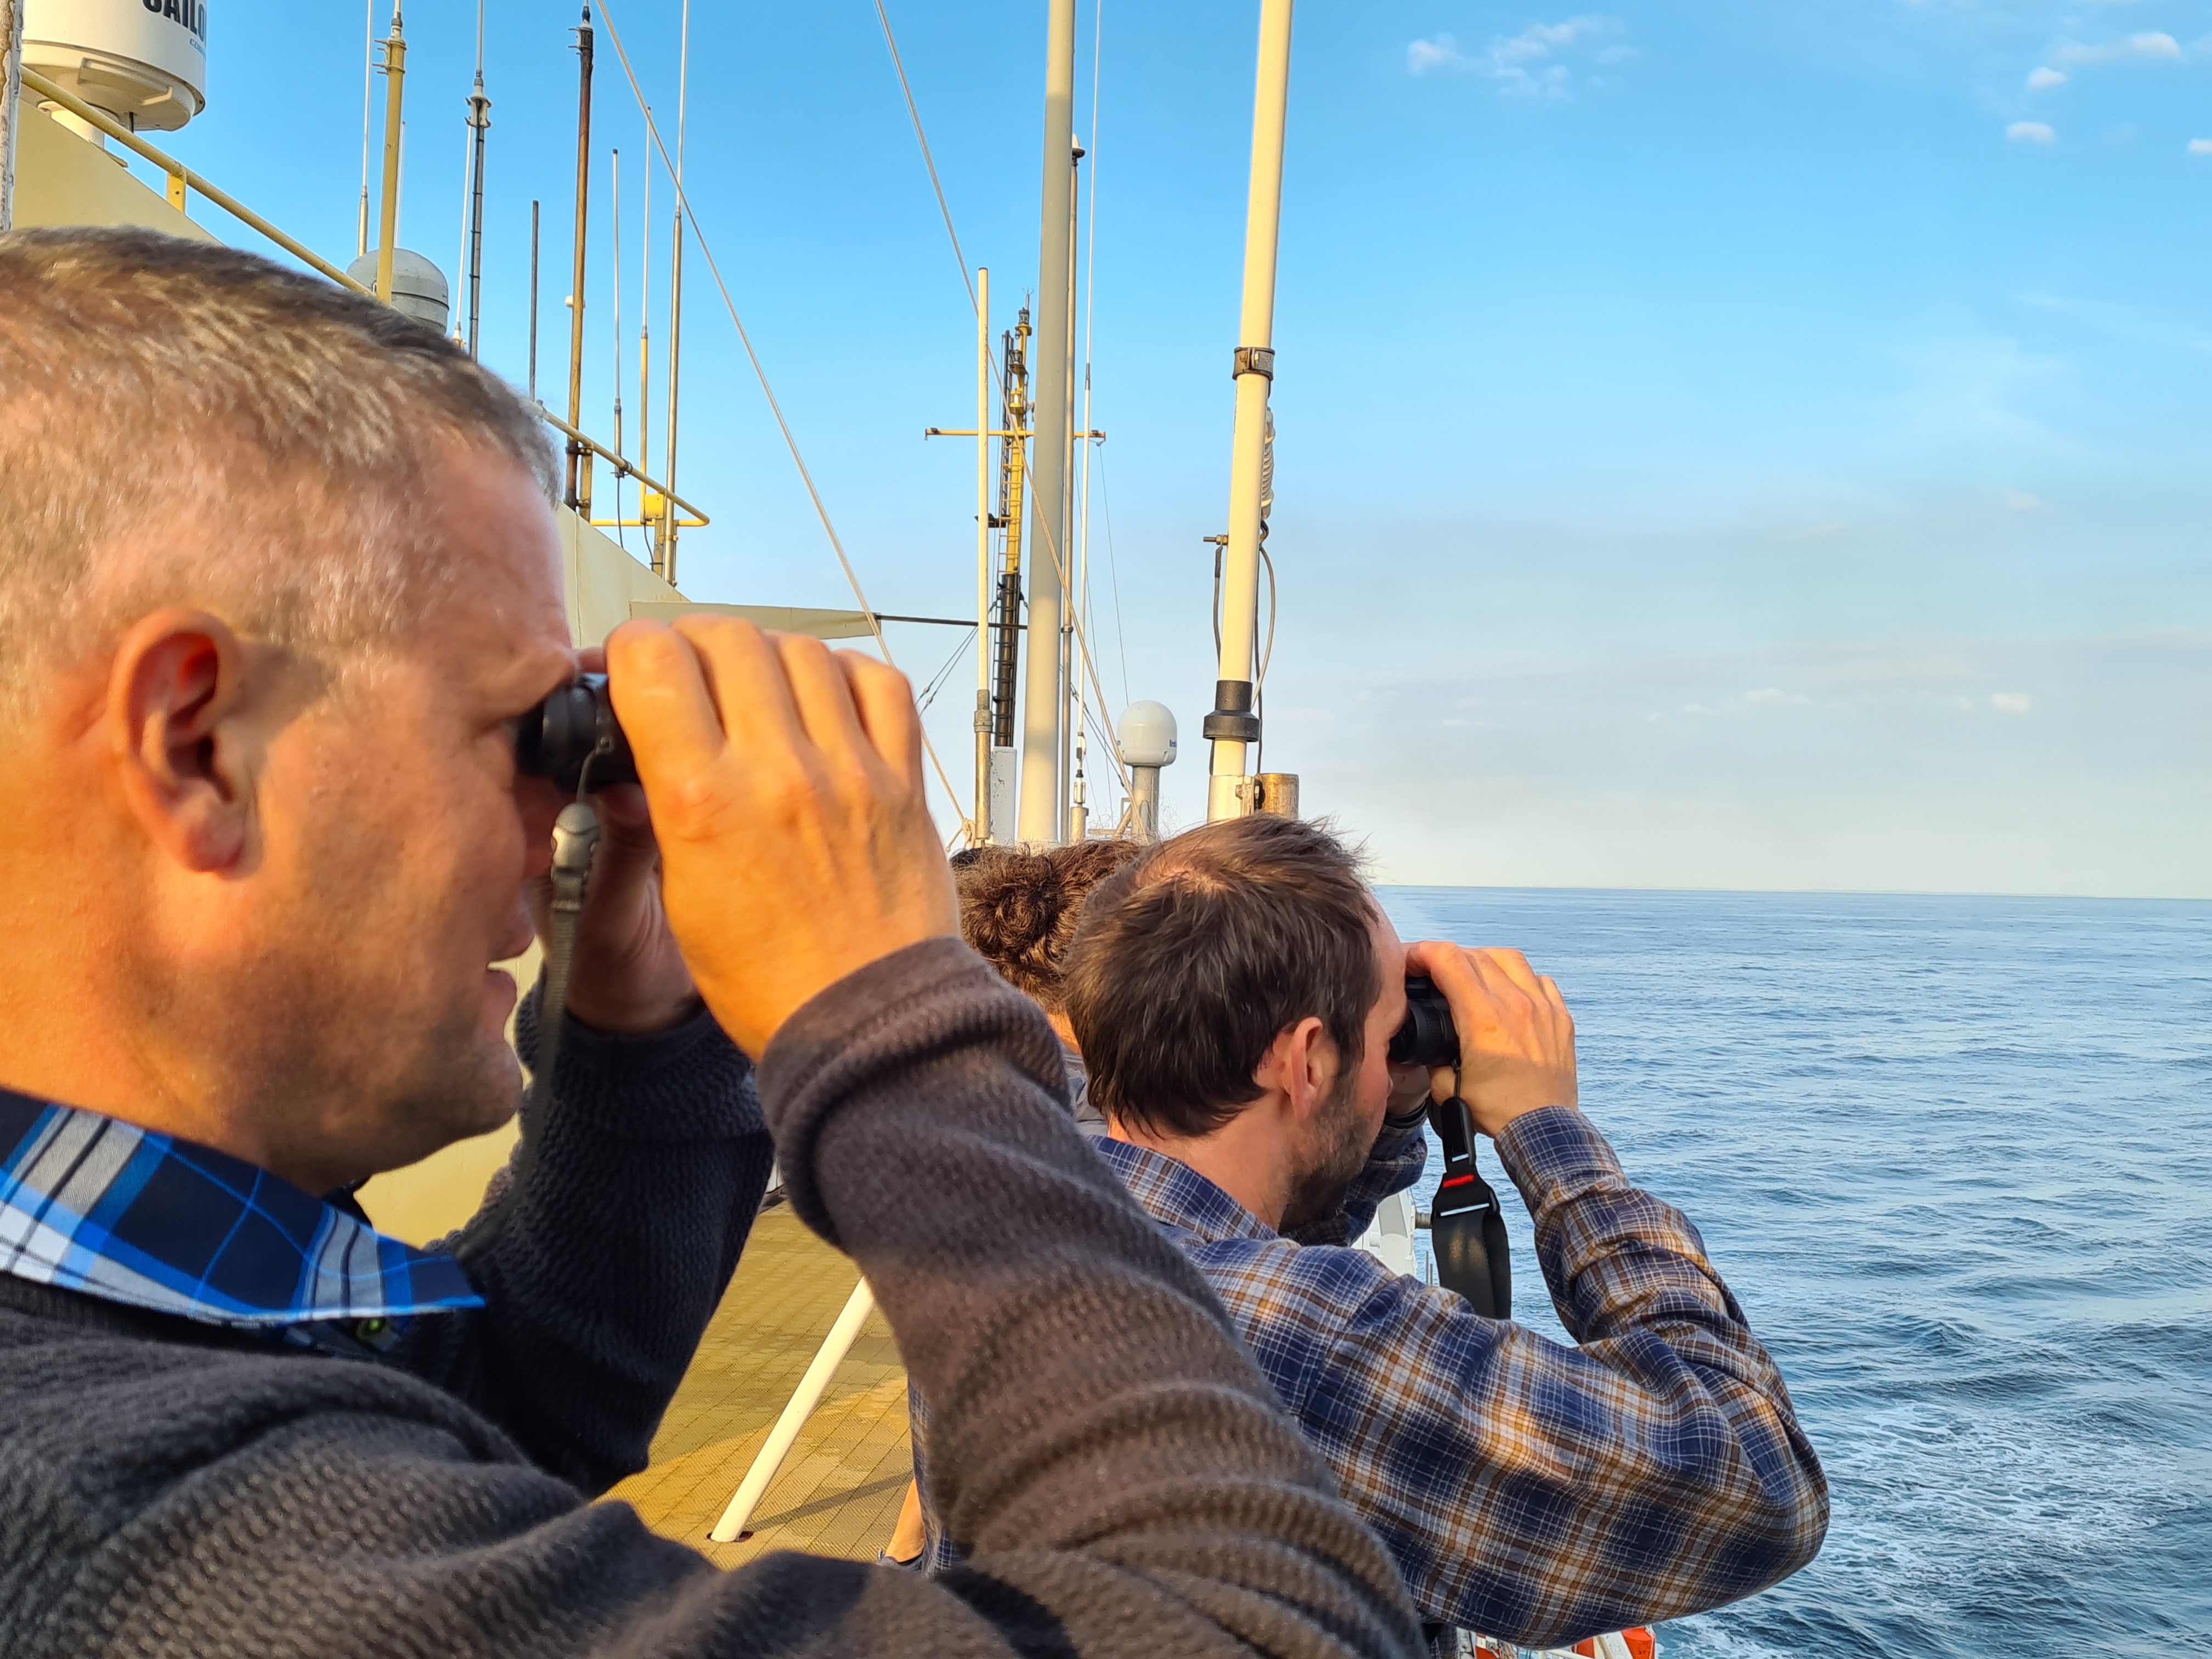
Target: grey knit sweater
<point>1105,1455</point>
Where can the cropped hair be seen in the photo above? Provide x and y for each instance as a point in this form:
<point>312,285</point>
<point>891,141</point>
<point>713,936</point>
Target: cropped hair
<point>184,422</point>
<point>1020,911</point>
<point>1191,961</point>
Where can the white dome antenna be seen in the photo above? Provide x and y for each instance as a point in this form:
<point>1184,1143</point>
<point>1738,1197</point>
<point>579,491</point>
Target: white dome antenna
<point>419,288</point>
<point>1145,740</point>
<point>144,64</point>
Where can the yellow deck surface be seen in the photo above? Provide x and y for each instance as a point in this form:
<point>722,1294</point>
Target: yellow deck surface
<point>840,1490</point>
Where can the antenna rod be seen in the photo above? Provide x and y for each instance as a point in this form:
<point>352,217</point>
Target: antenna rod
<point>479,118</point>
<point>614,210</point>
<point>1072,816</point>
<point>676,306</point>
<point>1232,726</point>
<point>395,78</point>
<point>1043,716</point>
<point>645,342</point>
<point>981,833</point>
<point>368,107</point>
<point>580,458</point>
<point>534,210</point>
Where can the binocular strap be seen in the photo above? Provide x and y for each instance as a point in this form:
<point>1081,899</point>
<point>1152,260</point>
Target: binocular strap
<point>1466,1230</point>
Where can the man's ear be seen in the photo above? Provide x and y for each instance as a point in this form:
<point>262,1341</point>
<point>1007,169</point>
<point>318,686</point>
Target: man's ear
<point>173,691</point>
<point>1301,1063</point>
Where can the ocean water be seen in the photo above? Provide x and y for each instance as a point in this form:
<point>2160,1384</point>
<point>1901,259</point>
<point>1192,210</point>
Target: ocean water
<point>1954,1157</point>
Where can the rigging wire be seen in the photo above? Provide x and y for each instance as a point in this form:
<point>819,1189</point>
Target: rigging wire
<point>1114,569</point>
<point>966,276</point>
<point>937,681</point>
<point>760,373</point>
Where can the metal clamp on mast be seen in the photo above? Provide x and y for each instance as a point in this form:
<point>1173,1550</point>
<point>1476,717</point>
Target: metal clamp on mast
<point>1232,726</point>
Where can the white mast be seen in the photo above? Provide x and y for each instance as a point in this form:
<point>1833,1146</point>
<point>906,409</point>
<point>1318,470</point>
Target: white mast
<point>1232,726</point>
<point>1045,699</point>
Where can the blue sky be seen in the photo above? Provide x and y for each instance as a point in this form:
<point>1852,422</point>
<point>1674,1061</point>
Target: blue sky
<point>1723,445</point>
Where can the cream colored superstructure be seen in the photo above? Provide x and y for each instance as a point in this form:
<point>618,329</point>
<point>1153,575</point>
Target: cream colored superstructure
<point>63,179</point>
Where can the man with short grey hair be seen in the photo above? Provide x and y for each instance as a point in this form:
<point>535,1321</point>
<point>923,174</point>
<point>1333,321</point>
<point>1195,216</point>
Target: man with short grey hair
<point>278,578</point>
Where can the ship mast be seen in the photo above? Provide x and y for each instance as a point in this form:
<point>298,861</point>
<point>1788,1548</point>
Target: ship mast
<point>11,98</point>
<point>1041,800</point>
<point>1232,726</point>
<point>579,494</point>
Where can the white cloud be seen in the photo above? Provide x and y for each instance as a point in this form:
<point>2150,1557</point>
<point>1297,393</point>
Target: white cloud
<point>1425,57</point>
<point>2012,703</point>
<point>2200,146</point>
<point>2045,77</point>
<point>2031,132</point>
<point>1527,65</point>
<point>2152,46</point>
<point>2019,501</point>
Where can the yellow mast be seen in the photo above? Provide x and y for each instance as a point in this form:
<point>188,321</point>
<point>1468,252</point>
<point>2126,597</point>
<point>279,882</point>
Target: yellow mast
<point>395,78</point>
<point>1232,726</point>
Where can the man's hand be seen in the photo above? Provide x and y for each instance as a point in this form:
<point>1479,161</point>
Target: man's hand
<point>787,791</point>
<point>1516,1040</point>
<point>629,978</point>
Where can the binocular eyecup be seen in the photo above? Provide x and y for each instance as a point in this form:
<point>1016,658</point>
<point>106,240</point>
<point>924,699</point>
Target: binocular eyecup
<point>1427,1036</point>
<point>574,739</point>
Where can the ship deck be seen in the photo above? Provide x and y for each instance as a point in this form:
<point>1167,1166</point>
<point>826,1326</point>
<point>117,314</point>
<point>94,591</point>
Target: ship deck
<point>839,1492</point>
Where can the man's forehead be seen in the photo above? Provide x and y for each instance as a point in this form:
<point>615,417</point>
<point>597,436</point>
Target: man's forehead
<point>1387,946</point>
<point>502,600</point>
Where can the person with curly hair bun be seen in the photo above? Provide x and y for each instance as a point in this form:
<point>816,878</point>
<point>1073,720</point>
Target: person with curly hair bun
<point>1019,911</point>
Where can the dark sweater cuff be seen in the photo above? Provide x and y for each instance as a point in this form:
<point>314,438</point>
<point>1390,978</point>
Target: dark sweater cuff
<point>900,1013</point>
<point>690,1083</point>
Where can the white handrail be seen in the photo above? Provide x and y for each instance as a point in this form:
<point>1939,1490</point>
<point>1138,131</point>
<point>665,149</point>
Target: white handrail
<point>804,1400</point>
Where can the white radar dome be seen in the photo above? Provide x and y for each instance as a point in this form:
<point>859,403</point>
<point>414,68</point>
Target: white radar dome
<point>145,62</point>
<point>418,287</point>
<point>1147,735</point>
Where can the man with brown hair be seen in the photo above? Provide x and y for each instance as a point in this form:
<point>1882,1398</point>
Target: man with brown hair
<point>1235,991</point>
<point>279,577</point>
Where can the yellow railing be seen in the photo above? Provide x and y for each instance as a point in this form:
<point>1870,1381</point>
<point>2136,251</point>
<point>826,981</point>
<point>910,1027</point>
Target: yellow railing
<point>623,468</point>
<point>182,179</point>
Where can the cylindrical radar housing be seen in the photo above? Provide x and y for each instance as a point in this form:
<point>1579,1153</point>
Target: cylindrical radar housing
<point>1147,735</point>
<point>145,62</point>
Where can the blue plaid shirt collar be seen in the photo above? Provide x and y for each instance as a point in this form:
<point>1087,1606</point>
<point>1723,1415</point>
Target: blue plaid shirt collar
<point>92,1204</point>
<point>1176,1195</point>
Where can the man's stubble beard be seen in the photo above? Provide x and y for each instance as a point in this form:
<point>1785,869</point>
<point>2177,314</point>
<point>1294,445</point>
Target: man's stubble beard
<point>1333,1155</point>
<point>380,1087</point>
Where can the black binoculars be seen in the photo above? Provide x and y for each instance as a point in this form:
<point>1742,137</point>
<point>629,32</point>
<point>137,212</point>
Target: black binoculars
<point>574,739</point>
<point>1426,1037</point>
